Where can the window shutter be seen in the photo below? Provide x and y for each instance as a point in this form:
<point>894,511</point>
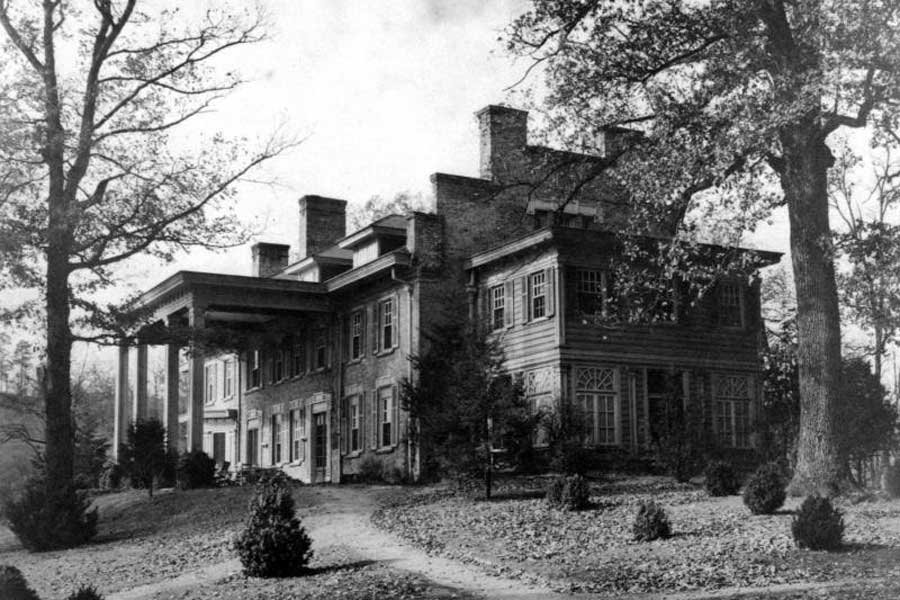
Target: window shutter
<point>523,298</point>
<point>508,293</point>
<point>345,337</point>
<point>395,405</point>
<point>550,290</point>
<point>362,332</point>
<point>309,349</point>
<point>395,329</point>
<point>345,426</point>
<point>375,324</point>
<point>373,426</point>
<point>484,308</point>
<point>303,435</point>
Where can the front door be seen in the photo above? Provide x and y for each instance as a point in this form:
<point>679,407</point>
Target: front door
<point>253,447</point>
<point>320,446</point>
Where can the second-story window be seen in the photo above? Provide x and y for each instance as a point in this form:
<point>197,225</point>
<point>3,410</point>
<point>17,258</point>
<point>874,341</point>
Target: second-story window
<point>321,349</point>
<point>387,323</point>
<point>278,366</point>
<point>228,378</point>
<point>296,360</point>
<point>592,289</point>
<point>211,374</point>
<point>538,287</point>
<point>498,306</point>
<point>254,374</point>
<point>356,332</point>
<point>730,312</point>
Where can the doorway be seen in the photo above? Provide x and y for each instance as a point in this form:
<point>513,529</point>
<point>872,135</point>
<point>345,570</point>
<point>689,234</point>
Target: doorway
<point>320,446</point>
<point>253,447</point>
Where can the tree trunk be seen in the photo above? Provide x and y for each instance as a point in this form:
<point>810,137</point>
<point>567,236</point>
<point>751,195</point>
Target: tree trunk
<point>60,430</point>
<point>804,181</point>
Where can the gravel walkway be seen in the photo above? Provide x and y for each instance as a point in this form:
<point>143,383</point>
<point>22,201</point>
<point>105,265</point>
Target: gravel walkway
<point>344,521</point>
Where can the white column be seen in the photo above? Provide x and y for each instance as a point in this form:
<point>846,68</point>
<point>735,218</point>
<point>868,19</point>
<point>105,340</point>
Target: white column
<point>139,410</point>
<point>122,413</point>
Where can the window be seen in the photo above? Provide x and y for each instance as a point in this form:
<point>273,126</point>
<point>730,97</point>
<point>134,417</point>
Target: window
<point>253,376</point>
<point>296,360</point>
<point>538,288</point>
<point>594,294</point>
<point>218,453</point>
<point>297,425</point>
<point>597,396</point>
<point>356,331</point>
<point>354,417</point>
<point>387,323</point>
<point>730,313</point>
<point>733,411</point>
<point>228,378</point>
<point>276,438</point>
<point>210,376</point>
<point>498,306</point>
<point>385,415</point>
<point>321,347</point>
<point>278,366</point>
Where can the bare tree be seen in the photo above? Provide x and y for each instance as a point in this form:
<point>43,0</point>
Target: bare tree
<point>94,95</point>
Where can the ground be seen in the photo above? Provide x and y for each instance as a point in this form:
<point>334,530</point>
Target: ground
<point>431,544</point>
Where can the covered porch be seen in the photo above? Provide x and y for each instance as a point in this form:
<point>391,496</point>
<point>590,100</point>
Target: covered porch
<point>182,314</point>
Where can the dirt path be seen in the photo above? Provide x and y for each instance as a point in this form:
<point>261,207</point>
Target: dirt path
<point>344,520</point>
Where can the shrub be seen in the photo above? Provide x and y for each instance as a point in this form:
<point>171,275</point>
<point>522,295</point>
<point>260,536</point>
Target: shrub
<point>370,470</point>
<point>13,585</point>
<point>273,543</point>
<point>721,479</point>
<point>111,477</point>
<point>651,523</point>
<point>818,525</point>
<point>195,470</point>
<point>555,490</point>
<point>892,480</point>
<point>569,493</point>
<point>143,457</point>
<point>570,457</point>
<point>764,492</point>
<point>85,592</point>
<point>49,521</point>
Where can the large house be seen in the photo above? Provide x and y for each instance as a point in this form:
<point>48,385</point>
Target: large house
<point>324,341</point>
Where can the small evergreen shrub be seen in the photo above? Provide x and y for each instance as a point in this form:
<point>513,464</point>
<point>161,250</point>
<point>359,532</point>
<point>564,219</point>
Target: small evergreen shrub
<point>651,523</point>
<point>892,480</point>
<point>111,477</point>
<point>764,492</point>
<point>569,493</point>
<point>721,480</point>
<point>273,543</point>
<point>818,525</point>
<point>43,521</point>
<point>555,491</point>
<point>13,585</point>
<point>570,457</point>
<point>85,592</point>
<point>195,470</point>
<point>370,470</point>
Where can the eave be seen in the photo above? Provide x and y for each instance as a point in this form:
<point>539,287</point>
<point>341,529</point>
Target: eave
<point>384,263</point>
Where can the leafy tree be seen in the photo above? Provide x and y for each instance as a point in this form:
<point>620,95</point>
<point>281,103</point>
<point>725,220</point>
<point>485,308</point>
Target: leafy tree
<point>377,207</point>
<point>736,101</point>
<point>91,99</point>
<point>464,403</point>
<point>143,456</point>
<point>869,245</point>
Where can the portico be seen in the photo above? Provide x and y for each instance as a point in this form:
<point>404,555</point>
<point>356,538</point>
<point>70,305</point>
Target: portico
<point>183,313</point>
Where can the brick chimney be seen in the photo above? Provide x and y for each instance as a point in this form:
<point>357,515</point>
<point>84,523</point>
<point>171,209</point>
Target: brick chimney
<point>269,259</point>
<point>323,221</point>
<point>503,135</point>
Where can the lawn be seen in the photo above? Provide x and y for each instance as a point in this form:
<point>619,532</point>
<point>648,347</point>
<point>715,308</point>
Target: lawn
<point>717,543</point>
<point>144,541</point>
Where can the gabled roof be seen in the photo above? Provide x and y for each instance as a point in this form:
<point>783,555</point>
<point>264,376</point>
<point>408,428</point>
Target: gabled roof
<point>391,225</point>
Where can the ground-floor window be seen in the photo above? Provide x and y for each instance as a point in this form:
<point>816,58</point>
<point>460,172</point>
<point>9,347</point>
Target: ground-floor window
<point>385,415</point>
<point>276,439</point>
<point>297,426</point>
<point>733,424</point>
<point>354,416</point>
<point>597,395</point>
